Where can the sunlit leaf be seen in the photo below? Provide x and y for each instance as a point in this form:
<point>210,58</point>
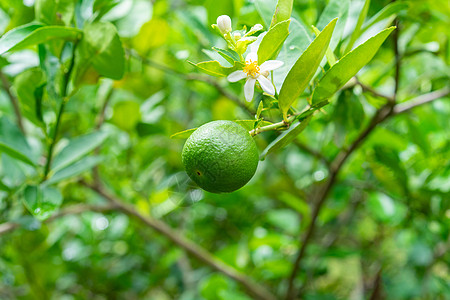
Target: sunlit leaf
<point>282,12</point>
<point>33,34</point>
<point>215,69</point>
<point>348,66</point>
<point>273,41</point>
<point>304,69</point>
<point>183,134</point>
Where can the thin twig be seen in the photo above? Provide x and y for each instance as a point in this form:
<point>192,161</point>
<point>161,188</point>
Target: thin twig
<point>70,210</point>
<point>372,91</point>
<point>256,290</point>
<point>13,99</point>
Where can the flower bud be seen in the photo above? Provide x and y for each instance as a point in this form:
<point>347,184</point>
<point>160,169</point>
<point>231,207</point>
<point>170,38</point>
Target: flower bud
<point>237,36</point>
<point>224,24</point>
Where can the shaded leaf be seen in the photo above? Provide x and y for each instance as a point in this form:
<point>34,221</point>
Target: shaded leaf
<point>77,148</point>
<point>102,49</point>
<point>386,12</point>
<point>75,169</point>
<point>357,30</point>
<point>29,89</point>
<point>13,143</point>
<point>42,201</point>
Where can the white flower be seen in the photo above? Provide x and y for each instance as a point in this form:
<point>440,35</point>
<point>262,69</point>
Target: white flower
<point>252,71</point>
<point>224,24</point>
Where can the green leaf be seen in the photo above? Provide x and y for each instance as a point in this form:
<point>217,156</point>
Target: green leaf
<point>387,11</point>
<point>183,134</point>
<point>283,12</point>
<point>265,9</point>
<point>42,201</point>
<point>102,49</point>
<point>230,55</point>
<point>28,86</point>
<point>285,138</point>
<point>126,114</point>
<point>77,148</point>
<point>285,219</point>
<point>356,32</point>
<point>273,41</point>
<point>13,143</point>
<point>348,66</point>
<point>296,43</point>
<point>215,69</point>
<point>304,69</point>
<point>32,34</point>
<point>75,169</point>
<point>55,12</point>
<point>260,109</point>
<point>335,9</point>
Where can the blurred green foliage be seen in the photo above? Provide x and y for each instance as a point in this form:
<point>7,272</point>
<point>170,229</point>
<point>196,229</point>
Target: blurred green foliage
<point>389,210</point>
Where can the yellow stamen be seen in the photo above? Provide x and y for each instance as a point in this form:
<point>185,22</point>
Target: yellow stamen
<point>251,69</point>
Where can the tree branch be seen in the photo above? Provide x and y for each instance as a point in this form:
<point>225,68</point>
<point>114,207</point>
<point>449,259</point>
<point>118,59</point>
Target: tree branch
<point>13,99</point>
<point>70,210</point>
<point>256,290</point>
<point>420,100</point>
<point>381,115</point>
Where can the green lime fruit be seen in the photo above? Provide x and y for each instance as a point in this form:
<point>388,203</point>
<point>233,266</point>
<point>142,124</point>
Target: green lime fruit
<point>220,156</point>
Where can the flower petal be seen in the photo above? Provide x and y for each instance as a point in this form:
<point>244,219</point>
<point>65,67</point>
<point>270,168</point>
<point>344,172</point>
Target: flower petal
<point>266,85</point>
<point>252,56</point>
<point>271,65</point>
<point>236,76</point>
<point>249,89</point>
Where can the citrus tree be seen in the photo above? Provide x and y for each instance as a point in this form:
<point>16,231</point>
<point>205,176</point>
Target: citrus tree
<point>224,149</point>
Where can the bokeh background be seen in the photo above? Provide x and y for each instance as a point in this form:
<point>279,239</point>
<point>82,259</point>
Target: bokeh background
<point>385,224</point>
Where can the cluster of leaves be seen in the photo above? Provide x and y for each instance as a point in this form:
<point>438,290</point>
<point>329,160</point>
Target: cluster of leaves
<point>89,73</point>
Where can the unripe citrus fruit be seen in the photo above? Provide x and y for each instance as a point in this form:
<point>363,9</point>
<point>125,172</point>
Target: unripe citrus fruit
<point>220,156</point>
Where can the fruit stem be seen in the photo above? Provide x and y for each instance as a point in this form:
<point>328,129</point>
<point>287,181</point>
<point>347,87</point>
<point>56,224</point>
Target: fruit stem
<point>275,126</point>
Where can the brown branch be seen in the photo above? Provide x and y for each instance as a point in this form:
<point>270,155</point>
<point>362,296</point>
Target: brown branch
<point>256,290</point>
<point>377,291</point>
<point>381,115</point>
<point>372,91</point>
<point>335,168</point>
<point>13,99</point>
<point>70,210</point>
